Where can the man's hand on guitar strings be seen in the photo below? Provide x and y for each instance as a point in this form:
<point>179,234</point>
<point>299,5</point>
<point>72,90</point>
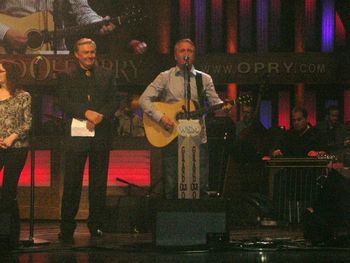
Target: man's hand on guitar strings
<point>108,27</point>
<point>167,123</point>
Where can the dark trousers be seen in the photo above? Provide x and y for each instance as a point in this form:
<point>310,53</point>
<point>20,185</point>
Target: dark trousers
<point>12,161</point>
<point>170,170</point>
<point>73,179</point>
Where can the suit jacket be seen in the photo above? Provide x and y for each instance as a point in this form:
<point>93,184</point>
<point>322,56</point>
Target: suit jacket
<point>79,93</point>
<point>295,145</point>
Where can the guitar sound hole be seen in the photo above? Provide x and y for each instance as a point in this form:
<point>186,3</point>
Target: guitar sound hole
<point>35,39</point>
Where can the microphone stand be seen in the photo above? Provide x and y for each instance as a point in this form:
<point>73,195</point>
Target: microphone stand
<point>58,41</point>
<point>187,88</point>
<point>31,240</point>
<point>149,191</point>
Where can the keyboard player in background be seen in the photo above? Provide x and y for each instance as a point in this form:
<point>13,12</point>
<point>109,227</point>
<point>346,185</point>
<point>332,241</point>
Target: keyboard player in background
<point>302,140</point>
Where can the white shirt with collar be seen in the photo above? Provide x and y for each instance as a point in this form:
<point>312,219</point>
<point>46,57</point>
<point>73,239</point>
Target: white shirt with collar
<point>169,87</point>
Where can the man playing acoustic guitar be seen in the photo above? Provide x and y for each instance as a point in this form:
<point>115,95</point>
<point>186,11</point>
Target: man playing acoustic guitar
<point>168,87</point>
<point>21,14</point>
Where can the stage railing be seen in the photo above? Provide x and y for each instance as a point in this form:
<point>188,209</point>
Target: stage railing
<point>294,185</point>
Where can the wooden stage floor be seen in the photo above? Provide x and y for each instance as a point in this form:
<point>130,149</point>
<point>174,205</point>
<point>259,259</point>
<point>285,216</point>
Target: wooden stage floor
<point>247,244</point>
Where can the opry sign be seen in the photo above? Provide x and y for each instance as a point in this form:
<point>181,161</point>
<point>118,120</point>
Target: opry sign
<point>241,68</point>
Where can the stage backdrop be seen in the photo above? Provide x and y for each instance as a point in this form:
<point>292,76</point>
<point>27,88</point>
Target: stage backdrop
<point>244,68</point>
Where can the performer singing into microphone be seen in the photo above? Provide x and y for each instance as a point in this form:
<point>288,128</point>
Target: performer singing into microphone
<point>168,87</point>
<point>15,119</point>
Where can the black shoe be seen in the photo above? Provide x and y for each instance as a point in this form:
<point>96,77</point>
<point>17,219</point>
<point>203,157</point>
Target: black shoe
<point>65,238</point>
<point>96,233</point>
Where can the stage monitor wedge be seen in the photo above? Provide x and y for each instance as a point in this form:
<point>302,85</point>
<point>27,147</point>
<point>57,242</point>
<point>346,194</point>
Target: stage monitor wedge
<point>189,223</point>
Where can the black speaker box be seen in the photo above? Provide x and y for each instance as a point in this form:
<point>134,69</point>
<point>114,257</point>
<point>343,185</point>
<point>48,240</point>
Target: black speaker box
<point>126,214</point>
<point>188,223</point>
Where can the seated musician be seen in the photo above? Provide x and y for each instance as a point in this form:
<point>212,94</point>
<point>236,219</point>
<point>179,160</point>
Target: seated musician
<point>327,222</point>
<point>302,140</point>
<point>328,209</point>
<point>333,132</point>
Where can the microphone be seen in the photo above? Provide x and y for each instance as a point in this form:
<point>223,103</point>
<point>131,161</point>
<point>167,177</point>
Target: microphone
<point>187,62</point>
<point>36,64</point>
<point>37,60</point>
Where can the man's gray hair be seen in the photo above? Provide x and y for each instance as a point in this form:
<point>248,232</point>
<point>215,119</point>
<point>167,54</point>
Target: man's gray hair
<point>186,40</point>
<point>83,41</point>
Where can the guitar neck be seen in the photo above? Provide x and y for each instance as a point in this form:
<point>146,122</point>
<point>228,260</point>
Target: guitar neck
<point>202,111</point>
<point>89,28</point>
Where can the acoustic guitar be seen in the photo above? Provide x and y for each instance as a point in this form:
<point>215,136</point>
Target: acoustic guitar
<point>158,136</point>
<point>39,28</point>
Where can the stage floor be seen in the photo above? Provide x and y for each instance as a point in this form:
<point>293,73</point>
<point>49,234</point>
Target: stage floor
<point>248,244</point>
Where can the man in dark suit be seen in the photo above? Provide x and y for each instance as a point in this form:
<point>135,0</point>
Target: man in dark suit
<point>87,95</point>
<point>302,140</point>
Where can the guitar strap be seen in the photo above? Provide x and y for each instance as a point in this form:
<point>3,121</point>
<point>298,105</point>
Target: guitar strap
<point>63,9</point>
<point>37,5</point>
<point>200,90</point>
<point>58,13</point>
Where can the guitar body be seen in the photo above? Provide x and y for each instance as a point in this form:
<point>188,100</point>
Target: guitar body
<point>32,26</point>
<point>39,28</point>
<point>155,132</point>
<point>159,137</point>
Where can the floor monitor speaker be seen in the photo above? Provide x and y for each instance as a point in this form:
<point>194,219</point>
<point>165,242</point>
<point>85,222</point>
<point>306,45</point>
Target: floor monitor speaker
<point>180,223</point>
